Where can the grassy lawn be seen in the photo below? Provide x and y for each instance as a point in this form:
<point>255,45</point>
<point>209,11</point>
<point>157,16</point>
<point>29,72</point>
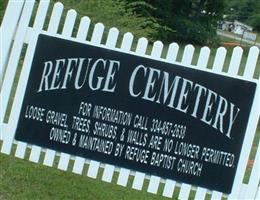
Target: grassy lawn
<point>20,179</point>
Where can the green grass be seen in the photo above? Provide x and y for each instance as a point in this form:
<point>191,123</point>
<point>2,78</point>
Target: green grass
<point>20,179</point>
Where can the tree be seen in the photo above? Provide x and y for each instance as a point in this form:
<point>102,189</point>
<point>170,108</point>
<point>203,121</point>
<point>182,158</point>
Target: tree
<point>192,21</point>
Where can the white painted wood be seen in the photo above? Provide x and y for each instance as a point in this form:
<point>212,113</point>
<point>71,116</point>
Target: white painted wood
<point>200,193</point>
<point>125,47</point>
<point>111,44</point>
<point>37,26</point>
<point>66,33</point>
<point>35,154</point>
<point>64,161</point>
<point>185,191</point>
<point>83,28</point>
<point>254,177</point>
<point>49,157</point>
<point>55,18</point>
<point>52,29</point>
<point>172,52</point>
<point>112,38</point>
<point>93,169</point>
<point>96,40</point>
<point>108,173</point>
<point>81,36</point>
<point>20,150</point>
<point>97,34</point>
<point>69,23</point>
<point>157,49</point>
<point>127,42</point>
<point>219,59</point>
<point>141,46</point>
<point>186,61</point>
<point>14,57</point>
<point>258,193</point>
<point>78,165</point>
<point>154,184</point>
<point>138,181</point>
<point>7,32</point>
<point>123,177</point>
<point>235,60</point>
<point>216,195</point>
<point>203,58</point>
<point>169,188</point>
<point>202,64</point>
<point>139,176</point>
<point>251,126</point>
<point>187,55</point>
<point>251,62</point>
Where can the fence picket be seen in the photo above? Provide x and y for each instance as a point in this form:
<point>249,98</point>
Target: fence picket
<point>169,188</point>
<point>7,32</point>
<point>186,60</point>
<point>66,34</point>
<point>52,29</point>
<point>251,127</point>
<point>219,59</point>
<point>203,57</point>
<point>154,184</point>
<point>187,55</point>
<point>38,25</point>
<point>253,183</point>
<point>78,165</point>
<point>125,47</point>
<point>139,176</point>
<point>14,59</point>
<point>172,52</point>
<point>170,57</point>
<point>111,44</point>
<point>81,36</point>
<point>83,29</point>
<point>96,40</point>
<point>138,181</point>
<point>235,61</point>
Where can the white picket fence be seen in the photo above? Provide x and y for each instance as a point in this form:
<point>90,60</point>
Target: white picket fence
<point>16,34</point>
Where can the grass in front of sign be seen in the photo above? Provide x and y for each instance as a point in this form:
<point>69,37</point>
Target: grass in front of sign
<point>20,179</point>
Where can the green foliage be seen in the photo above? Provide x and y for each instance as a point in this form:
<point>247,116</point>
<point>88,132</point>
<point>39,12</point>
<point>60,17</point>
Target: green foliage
<point>115,13</point>
<point>192,21</point>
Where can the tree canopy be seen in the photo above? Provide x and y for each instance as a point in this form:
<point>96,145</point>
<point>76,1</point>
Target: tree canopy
<point>183,20</point>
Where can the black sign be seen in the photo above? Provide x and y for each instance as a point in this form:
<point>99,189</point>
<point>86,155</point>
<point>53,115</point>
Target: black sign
<point>134,112</point>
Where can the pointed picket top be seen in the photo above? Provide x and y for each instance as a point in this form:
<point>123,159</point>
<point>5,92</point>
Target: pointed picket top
<point>187,54</point>
<point>172,52</point>
<point>55,18</point>
<point>203,57</point>
<point>219,59</point>
<point>97,33</point>
<point>157,49</point>
<point>69,23</point>
<point>251,62</point>
<point>112,37</point>
<point>41,14</point>
<point>127,42</point>
<point>235,60</point>
<point>83,28</point>
<point>141,46</point>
